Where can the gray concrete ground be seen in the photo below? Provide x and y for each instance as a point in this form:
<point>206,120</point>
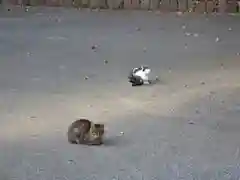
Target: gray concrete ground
<point>186,127</point>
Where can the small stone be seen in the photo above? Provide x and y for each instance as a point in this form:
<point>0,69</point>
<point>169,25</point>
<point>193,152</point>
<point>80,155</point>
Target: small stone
<point>32,117</point>
<point>94,47</point>
<point>195,35</point>
<point>183,27</point>
<point>121,133</point>
<point>188,34</point>
<point>202,83</point>
<point>217,39</point>
<point>28,53</point>
<point>238,54</point>
<point>191,122</point>
<point>229,29</point>
<point>71,161</point>
<point>86,77</point>
<point>138,29</point>
<point>105,61</point>
<point>26,9</point>
<point>8,9</point>
<point>186,86</point>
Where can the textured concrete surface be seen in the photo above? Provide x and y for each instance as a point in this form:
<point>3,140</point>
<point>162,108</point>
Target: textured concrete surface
<point>186,127</point>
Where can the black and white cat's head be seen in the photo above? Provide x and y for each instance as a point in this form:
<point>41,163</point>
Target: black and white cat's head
<point>145,70</point>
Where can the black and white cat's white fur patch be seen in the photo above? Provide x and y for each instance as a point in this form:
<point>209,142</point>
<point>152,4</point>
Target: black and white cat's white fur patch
<point>139,76</point>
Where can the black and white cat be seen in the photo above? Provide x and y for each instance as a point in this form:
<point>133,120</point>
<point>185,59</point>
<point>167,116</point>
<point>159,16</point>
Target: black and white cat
<point>139,76</point>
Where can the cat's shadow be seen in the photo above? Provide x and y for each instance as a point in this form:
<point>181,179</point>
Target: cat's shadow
<point>155,82</point>
<point>115,141</point>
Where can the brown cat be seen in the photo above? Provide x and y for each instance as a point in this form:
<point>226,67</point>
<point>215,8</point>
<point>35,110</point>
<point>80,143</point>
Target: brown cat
<point>84,131</point>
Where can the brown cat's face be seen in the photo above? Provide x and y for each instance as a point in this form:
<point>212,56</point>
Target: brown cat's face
<point>98,130</point>
<point>97,133</point>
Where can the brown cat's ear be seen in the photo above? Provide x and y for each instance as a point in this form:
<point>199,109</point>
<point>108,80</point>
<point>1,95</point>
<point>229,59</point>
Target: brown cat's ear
<point>100,127</point>
<point>97,125</point>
